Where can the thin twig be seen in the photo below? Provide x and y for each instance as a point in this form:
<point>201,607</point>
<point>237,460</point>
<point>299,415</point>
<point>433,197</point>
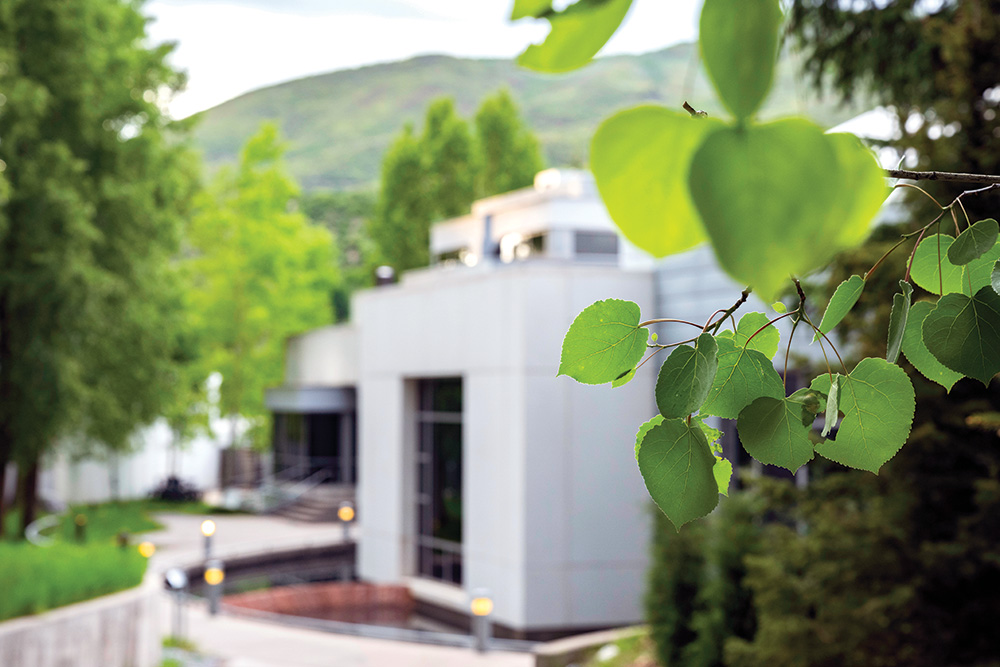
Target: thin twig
<point>918,189</point>
<point>832,346</point>
<point>942,176</point>
<point>662,320</point>
<point>788,351</point>
<point>744,295</point>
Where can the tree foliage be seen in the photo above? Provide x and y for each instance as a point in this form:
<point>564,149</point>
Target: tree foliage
<point>260,272</point>
<point>438,174</point>
<point>97,182</point>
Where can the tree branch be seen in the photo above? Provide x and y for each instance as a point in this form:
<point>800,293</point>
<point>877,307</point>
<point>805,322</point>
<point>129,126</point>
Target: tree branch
<point>942,176</point>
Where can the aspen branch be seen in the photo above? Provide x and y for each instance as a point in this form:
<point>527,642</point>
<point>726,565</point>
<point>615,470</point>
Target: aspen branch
<point>942,176</point>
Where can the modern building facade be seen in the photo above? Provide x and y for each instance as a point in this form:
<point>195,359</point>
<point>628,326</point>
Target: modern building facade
<point>478,467</point>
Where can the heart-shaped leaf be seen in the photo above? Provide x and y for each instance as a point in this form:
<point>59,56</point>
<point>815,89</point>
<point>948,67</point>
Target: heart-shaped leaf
<point>877,402</point>
<point>578,32</point>
<point>963,333</point>
<point>979,272</point>
<point>743,376</point>
<point>843,299</point>
<point>640,159</point>
<point>676,465</point>
<point>643,430</point>
<point>686,377</point>
<point>932,269</point>
<point>604,342</point>
<point>897,321</point>
<point>772,432</point>
<point>766,339</point>
<point>762,190</point>
<point>918,354</point>
<point>974,242</point>
<point>849,220</point>
<point>739,46</point>
<point>995,277</point>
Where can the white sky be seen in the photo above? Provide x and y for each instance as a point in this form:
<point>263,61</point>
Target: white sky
<point>229,47</point>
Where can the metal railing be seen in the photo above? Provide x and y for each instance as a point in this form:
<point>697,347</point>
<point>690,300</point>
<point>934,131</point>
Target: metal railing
<point>273,496</point>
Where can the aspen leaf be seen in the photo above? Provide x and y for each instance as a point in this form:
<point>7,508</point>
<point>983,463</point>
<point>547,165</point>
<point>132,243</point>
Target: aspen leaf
<point>929,273</point>
<point>604,342</point>
<point>743,376</point>
<point>963,333</point>
<point>765,341</point>
<point>686,377</point>
<point>843,299</point>
<point>877,402</point>
<point>676,465</point>
<point>640,159</point>
<point>897,321</point>
<point>918,354</point>
<point>723,473</point>
<point>739,46</point>
<point>578,32</point>
<point>772,431</point>
<point>974,242</point>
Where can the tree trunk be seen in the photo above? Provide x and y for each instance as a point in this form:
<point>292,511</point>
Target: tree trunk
<point>29,494</point>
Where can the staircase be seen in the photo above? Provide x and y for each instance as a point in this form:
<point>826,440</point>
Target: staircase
<point>319,504</point>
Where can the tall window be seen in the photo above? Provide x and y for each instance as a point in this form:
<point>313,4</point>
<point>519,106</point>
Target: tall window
<point>439,479</point>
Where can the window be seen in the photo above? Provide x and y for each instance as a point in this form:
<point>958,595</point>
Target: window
<point>439,479</point>
<point>596,243</point>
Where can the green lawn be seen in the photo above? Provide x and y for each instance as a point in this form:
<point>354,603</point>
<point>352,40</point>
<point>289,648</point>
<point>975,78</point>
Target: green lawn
<point>34,578</point>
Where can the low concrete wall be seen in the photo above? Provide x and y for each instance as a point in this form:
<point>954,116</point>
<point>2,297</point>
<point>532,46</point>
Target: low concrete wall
<point>118,630</point>
<point>579,649</point>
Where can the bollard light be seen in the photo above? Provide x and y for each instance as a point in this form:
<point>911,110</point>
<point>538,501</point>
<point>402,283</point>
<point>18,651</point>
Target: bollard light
<point>208,529</point>
<point>481,607</point>
<point>215,574</point>
<point>147,549</point>
<point>346,515</point>
<point>177,582</point>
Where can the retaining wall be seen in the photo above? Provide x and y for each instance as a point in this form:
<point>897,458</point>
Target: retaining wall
<point>118,630</point>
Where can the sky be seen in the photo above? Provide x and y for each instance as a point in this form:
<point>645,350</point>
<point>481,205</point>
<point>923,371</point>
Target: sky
<point>229,47</point>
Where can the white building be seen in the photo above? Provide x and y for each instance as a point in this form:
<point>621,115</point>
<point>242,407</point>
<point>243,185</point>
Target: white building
<point>478,468</point>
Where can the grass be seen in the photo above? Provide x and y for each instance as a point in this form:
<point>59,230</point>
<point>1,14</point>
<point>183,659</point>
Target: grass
<point>632,651</point>
<point>34,579</point>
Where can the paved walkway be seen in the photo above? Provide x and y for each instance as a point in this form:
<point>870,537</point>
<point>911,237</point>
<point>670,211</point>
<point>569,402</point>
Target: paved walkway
<point>248,643</point>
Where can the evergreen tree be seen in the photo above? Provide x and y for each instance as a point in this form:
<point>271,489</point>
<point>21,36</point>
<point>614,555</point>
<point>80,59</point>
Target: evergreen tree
<point>260,272</point>
<point>899,569</point>
<point>97,181</point>
<point>405,208</point>
<point>510,154</point>
<point>451,162</point>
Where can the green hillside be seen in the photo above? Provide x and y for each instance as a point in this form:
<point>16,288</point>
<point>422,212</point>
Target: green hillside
<point>339,124</point>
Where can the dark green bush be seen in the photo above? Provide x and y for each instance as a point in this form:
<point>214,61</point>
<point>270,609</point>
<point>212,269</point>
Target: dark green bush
<point>696,597</point>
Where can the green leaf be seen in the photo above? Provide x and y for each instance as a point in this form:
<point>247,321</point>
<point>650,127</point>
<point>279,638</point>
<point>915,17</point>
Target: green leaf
<point>964,333</point>
<point>686,377</point>
<point>772,432</point>
<point>723,472</point>
<point>832,408</point>
<point>765,342</point>
<point>578,33</point>
<point>877,402</point>
<point>676,465</point>
<point>812,403</point>
<point>640,158</point>
<point>743,376</point>
<point>925,270</point>
<point>843,299</point>
<point>995,278</point>
<point>643,430</point>
<point>897,321</point>
<point>918,354</point>
<point>530,8</point>
<point>974,242</point>
<point>604,341</point>
<point>863,191</point>
<point>979,272</point>
<point>623,379</point>
<point>779,307</point>
<point>763,190</point>
<point>739,46</point>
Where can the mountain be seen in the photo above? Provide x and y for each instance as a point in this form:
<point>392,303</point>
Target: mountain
<point>339,124</point>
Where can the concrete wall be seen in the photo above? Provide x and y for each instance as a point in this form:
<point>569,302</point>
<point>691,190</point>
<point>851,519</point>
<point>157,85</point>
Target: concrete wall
<point>90,481</point>
<point>114,631</point>
<point>554,507</point>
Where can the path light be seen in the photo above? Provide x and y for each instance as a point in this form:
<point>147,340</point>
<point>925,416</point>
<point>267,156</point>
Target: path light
<point>215,574</point>
<point>147,549</point>
<point>80,527</point>
<point>481,607</point>
<point>177,582</point>
<point>346,515</point>
<point>208,529</point>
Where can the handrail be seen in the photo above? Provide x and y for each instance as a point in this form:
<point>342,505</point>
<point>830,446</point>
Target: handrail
<point>299,489</point>
<point>33,533</point>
